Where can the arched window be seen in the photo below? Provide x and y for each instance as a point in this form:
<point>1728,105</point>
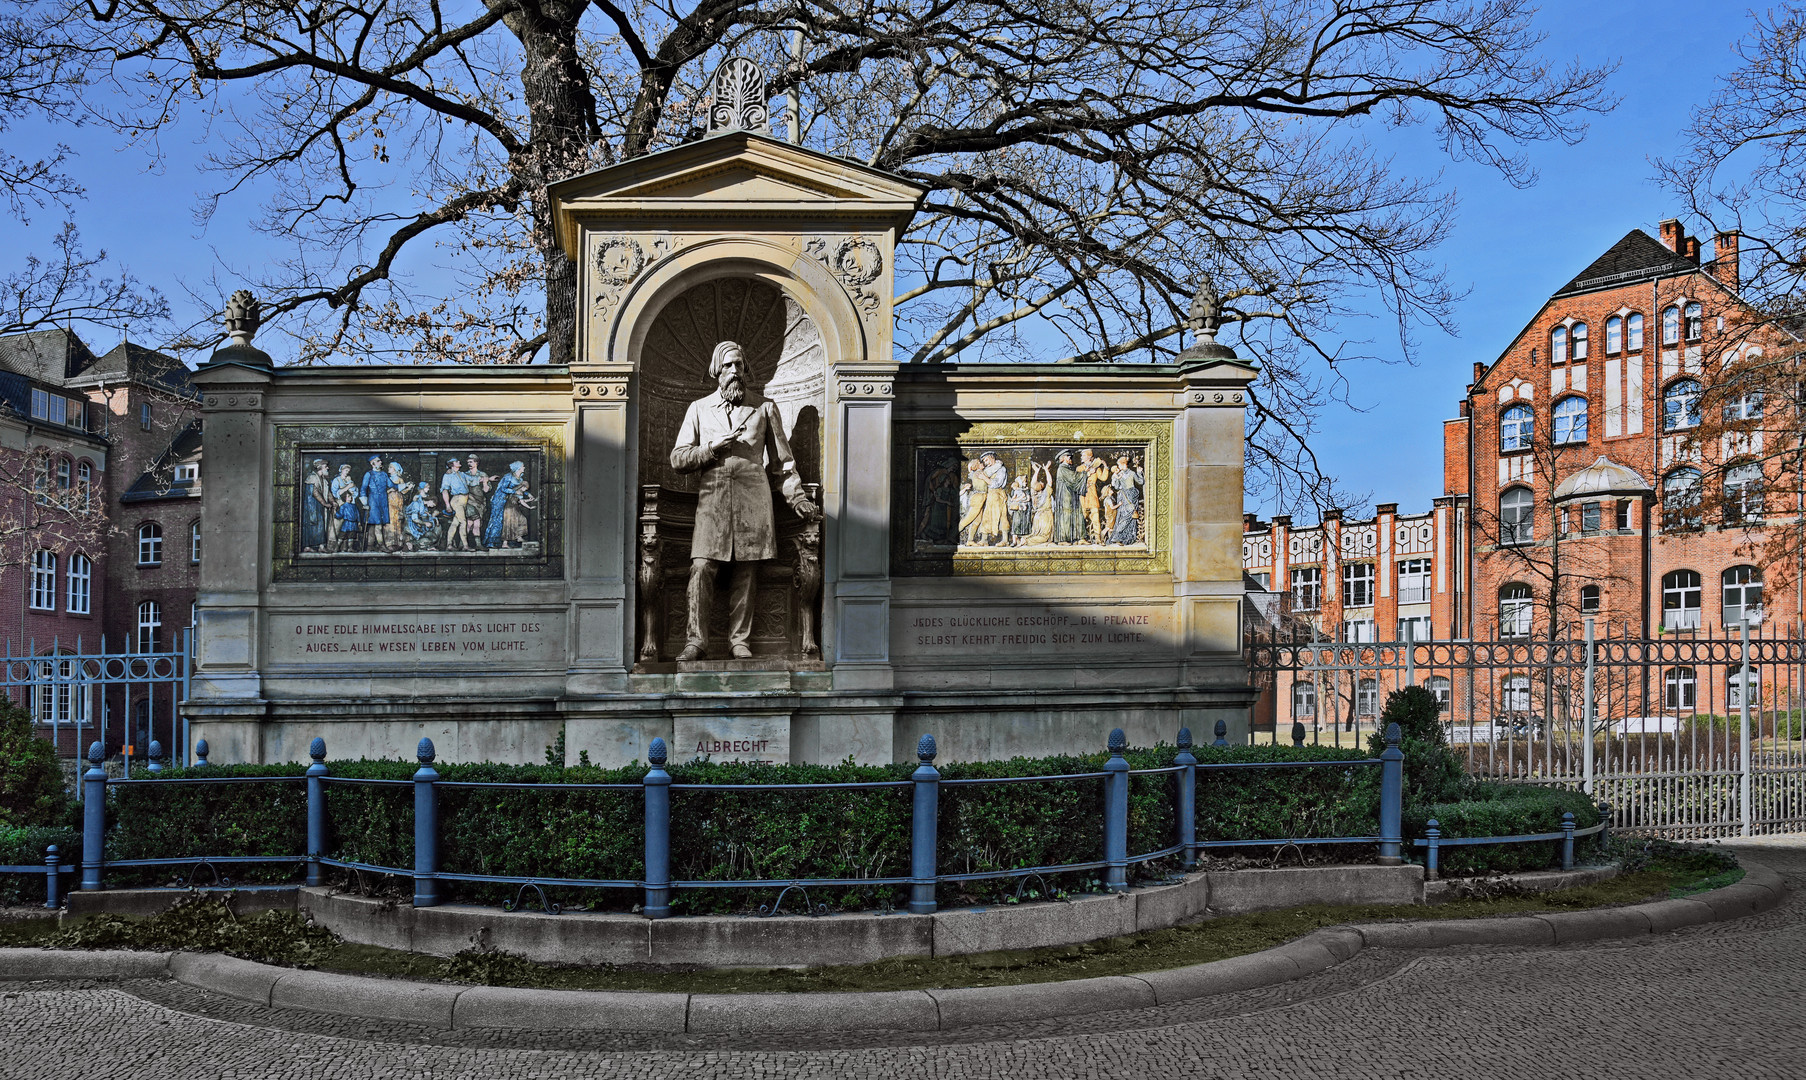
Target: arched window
<point>1614,335</point>
<point>1517,516</point>
<point>1570,420</point>
<point>1304,700</point>
<point>1633,332</point>
<point>65,473</point>
<point>57,693</point>
<point>81,576</point>
<point>1558,345</point>
<point>194,542</point>
<point>150,544</point>
<point>1515,609</point>
<point>1589,599</point>
<point>1680,600</point>
<point>1680,499</point>
<point>1440,688</point>
<point>1680,405</point>
<point>1680,689</point>
<point>1516,425</point>
<point>1743,493</point>
<point>1694,321</point>
<point>1742,595</point>
<point>1671,326</point>
<point>43,580</point>
<point>84,482</point>
<point>1367,697</point>
<point>1577,336</point>
<point>150,626</point>
<point>1516,698</point>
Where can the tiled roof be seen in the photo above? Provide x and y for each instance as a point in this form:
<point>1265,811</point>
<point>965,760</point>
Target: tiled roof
<point>1638,256</point>
<point>135,362</point>
<point>48,356</point>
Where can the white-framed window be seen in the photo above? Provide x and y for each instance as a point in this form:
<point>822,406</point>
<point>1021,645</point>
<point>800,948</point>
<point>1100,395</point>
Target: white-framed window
<point>1577,338</point>
<point>1367,697</point>
<point>1589,517</point>
<point>1734,684</point>
<point>150,544</point>
<point>1516,607</point>
<point>1360,631</point>
<point>1680,405</point>
<point>1304,700</point>
<point>1671,325</point>
<point>1589,599</point>
<point>1414,581</point>
<point>1614,335</point>
<point>1558,345</point>
<point>1693,321</point>
<point>188,471</point>
<point>1681,498</point>
<point>1307,588</point>
<point>1633,333</point>
<point>1517,516</point>
<point>84,481</point>
<point>57,694</point>
<point>65,473</point>
<point>1745,406</point>
<point>1743,493</point>
<point>1570,416</point>
<point>1263,578</point>
<point>1742,594</point>
<point>1442,690</point>
<point>1680,600</point>
<point>1622,515</point>
<point>194,542</point>
<point>81,577</point>
<point>1680,688</point>
<point>1516,697</point>
<point>1357,584</point>
<point>43,580</point>
<point>1516,427</point>
<point>150,626</point>
<point>1414,628</point>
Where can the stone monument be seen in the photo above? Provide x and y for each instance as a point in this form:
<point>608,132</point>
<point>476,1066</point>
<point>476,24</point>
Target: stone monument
<point>1016,557</point>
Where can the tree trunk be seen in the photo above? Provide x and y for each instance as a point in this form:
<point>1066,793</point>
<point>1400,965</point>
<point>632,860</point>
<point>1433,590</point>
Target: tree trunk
<point>562,112</point>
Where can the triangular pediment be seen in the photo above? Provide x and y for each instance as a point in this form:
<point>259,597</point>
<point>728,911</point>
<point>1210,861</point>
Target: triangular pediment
<point>736,171</point>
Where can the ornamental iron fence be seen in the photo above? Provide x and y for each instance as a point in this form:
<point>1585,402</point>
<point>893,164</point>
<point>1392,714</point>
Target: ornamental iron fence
<point>655,791</point>
<point>1689,734</point>
<point>85,690</point>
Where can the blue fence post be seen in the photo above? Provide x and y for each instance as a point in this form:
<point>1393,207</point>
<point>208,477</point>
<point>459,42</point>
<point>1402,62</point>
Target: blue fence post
<point>1298,733</point>
<point>200,754</point>
<point>1392,797</point>
<point>154,762</point>
<point>1434,833</point>
<point>1188,800</point>
<point>658,833</point>
<point>94,817</point>
<point>1222,733</point>
<point>426,828</point>
<point>52,867</point>
<point>1116,815</point>
<point>924,830</point>
<point>316,813</point>
<point>1567,840</point>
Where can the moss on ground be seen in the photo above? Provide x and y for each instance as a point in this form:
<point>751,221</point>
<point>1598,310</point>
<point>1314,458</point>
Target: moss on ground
<point>1655,871</point>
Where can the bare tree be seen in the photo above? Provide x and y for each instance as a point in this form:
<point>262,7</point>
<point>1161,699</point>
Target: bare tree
<point>1085,164</point>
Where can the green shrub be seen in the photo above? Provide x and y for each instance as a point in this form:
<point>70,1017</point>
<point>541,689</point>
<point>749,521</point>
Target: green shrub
<point>31,784</point>
<point>1432,770</point>
<point>24,846</point>
<point>1486,809</point>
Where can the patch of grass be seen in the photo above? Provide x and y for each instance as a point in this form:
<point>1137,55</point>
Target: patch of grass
<point>206,924</point>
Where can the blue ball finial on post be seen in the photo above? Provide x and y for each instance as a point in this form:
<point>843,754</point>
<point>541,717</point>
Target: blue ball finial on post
<point>1185,738</point>
<point>154,763</point>
<point>424,753</point>
<point>96,755</point>
<point>317,749</point>
<point>1117,741</point>
<point>1222,733</point>
<point>657,754</point>
<point>200,753</point>
<point>925,749</point>
<point>316,812</point>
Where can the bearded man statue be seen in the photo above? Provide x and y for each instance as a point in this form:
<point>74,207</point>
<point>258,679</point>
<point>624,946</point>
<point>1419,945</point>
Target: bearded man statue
<point>732,437</point>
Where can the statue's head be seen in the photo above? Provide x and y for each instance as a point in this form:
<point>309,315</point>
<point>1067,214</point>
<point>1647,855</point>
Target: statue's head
<point>727,366</point>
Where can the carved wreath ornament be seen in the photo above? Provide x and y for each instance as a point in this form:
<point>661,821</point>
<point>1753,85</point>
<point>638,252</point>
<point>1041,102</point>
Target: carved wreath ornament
<point>856,262</point>
<point>619,259</point>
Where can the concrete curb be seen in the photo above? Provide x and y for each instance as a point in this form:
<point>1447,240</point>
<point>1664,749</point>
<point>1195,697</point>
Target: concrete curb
<point>448,1006</point>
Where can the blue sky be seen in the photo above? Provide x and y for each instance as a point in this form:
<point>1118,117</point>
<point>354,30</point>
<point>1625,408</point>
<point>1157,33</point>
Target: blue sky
<point>1511,248</point>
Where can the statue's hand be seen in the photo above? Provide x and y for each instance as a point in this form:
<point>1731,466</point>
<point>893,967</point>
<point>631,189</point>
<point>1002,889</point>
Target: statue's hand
<point>805,509</point>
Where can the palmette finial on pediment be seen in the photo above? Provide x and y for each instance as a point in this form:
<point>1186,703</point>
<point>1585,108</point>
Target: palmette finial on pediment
<point>739,97</point>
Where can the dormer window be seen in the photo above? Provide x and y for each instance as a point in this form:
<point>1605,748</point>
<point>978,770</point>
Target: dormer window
<point>187,472</point>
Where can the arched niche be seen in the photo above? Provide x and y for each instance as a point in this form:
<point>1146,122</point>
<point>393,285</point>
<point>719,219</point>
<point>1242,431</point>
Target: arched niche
<point>784,353</point>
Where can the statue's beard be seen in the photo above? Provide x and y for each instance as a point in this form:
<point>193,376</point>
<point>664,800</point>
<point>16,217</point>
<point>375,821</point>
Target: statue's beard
<point>733,391</point>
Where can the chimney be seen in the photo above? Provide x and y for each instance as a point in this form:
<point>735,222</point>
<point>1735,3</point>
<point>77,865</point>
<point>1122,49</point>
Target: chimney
<point>1674,238</point>
<point>1463,404</point>
<point>1724,260</point>
<point>1479,370</point>
<point>1692,251</point>
<point>1249,522</point>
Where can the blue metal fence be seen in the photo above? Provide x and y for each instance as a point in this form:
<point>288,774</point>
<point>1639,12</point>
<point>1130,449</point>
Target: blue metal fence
<point>656,788</point>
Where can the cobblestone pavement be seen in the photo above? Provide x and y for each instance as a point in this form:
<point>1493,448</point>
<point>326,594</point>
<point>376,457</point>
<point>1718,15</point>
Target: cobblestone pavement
<point>1724,1000</point>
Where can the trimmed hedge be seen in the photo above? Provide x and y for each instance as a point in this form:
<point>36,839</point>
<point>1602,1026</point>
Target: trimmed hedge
<point>1486,809</point>
<point>24,846</point>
